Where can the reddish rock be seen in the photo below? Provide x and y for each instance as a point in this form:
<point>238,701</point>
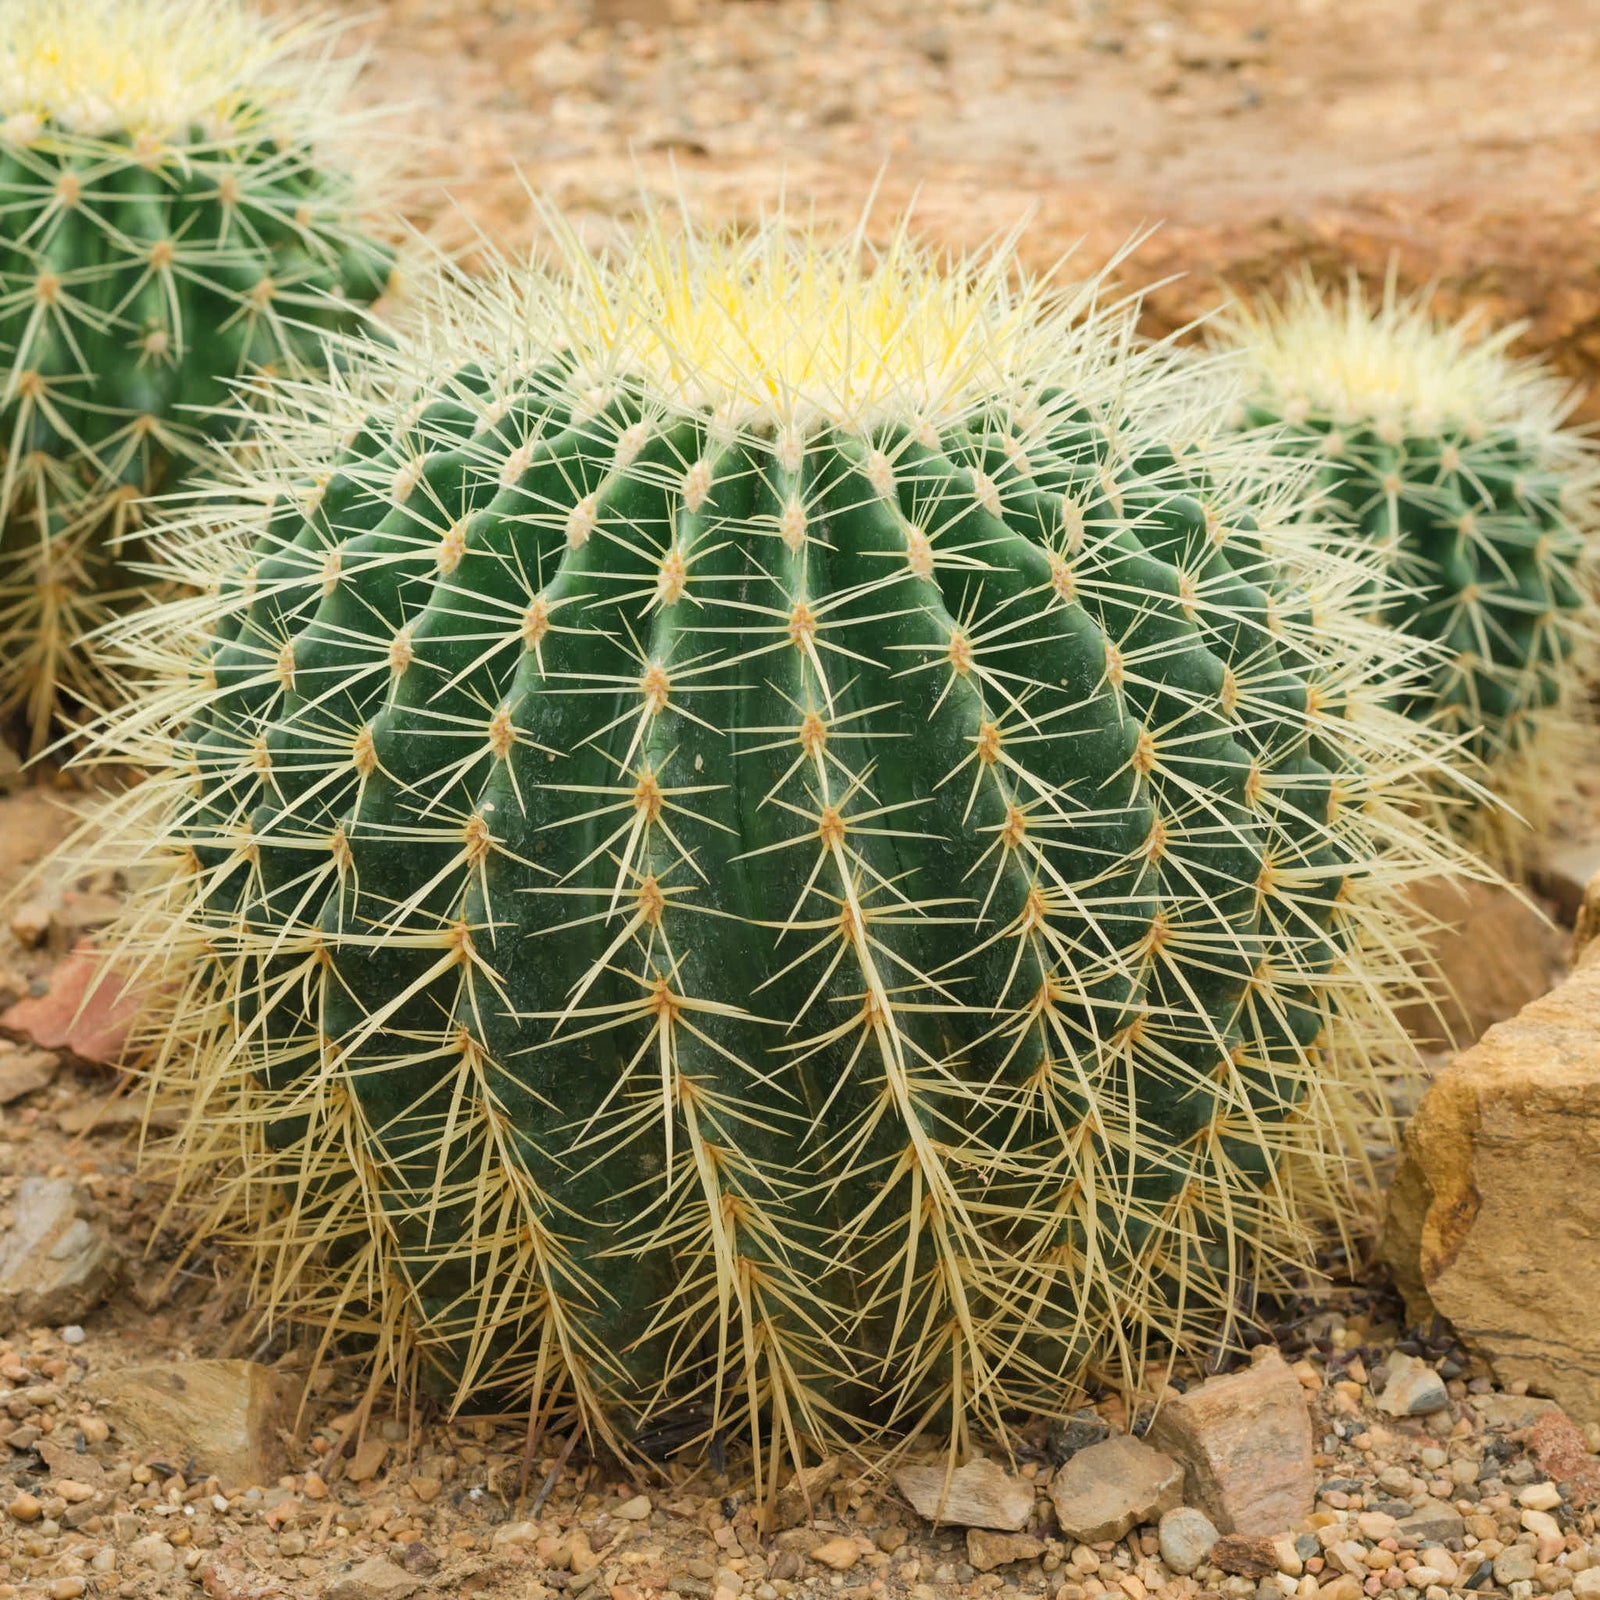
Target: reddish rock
<point>86,1010</point>
<point>1246,1442</point>
<point>1557,1443</point>
<point>1249,1555</point>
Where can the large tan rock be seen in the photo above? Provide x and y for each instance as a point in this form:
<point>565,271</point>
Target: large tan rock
<point>1102,1492</point>
<point>222,1417</point>
<point>1495,1209</point>
<point>1488,952</point>
<point>1246,1441</point>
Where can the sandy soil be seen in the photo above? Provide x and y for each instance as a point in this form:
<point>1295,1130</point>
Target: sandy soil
<point>1457,137</point>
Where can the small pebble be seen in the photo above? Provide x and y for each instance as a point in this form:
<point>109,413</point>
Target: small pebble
<point>73,1334</point>
<point>1186,1538</point>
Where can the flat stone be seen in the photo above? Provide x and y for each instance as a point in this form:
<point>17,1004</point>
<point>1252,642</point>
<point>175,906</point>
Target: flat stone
<point>24,1071</point>
<point>1432,1522</point>
<point>981,1494</point>
<point>986,1550</point>
<point>377,1578</point>
<point>57,1261</point>
<point>220,1417</point>
<point>1414,1389</point>
<point>86,1010</point>
<point>1113,1486</point>
<point>1186,1537</point>
<point>1246,1442</point>
<point>1494,1204</point>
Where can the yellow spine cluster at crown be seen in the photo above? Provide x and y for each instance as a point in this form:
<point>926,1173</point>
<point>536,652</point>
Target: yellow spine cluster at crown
<point>777,324</point>
<point>152,67</point>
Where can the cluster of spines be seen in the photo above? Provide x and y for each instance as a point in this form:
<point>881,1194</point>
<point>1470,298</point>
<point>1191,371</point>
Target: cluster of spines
<point>1011,1046</point>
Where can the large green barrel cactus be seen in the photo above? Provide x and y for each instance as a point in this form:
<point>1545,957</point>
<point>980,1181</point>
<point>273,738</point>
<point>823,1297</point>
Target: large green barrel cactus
<point>766,840</point>
<point>169,223</point>
<point>1451,458</point>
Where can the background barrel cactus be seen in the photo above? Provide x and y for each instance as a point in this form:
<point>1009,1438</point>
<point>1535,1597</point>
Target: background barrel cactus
<point>1451,458</point>
<point>757,840</point>
<point>169,222</point>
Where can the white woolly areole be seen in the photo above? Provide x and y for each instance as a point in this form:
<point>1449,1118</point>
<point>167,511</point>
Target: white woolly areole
<point>1338,355</point>
<point>160,68</point>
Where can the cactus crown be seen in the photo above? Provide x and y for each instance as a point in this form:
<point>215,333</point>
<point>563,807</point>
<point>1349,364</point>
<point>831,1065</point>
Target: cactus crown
<point>761,838</point>
<point>1452,457</point>
<point>159,70</point>
<point>174,219</point>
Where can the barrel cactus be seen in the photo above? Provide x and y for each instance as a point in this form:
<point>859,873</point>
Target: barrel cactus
<point>1450,456</point>
<point>761,840</point>
<point>169,223</point>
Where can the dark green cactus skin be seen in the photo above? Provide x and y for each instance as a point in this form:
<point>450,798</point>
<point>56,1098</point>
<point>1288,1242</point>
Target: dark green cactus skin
<point>138,281</point>
<point>546,757</point>
<point>1485,560</point>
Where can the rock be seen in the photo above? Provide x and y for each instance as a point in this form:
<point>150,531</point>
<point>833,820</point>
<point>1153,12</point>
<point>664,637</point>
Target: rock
<point>1432,1522</point>
<point>636,1508</point>
<point>1557,1444</point>
<point>986,1550</point>
<point>368,1460</point>
<point>509,1533</point>
<point>1186,1537</point>
<point>218,1417</point>
<point>981,1494</point>
<point>1514,1564</point>
<point>154,1552</point>
<point>57,1261</point>
<point>840,1553</point>
<point>1344,1587</point>
<point>1586,1584</point>
<point>86,1010</point>
<point>797,1500</point>
<point>1246,1442</point>
<point>1495,1201</point>
<point>1250,1555</point>
<point>377,1578</point>
<point>1414,1389</point>
<point>1490,952</point>
<point>24,1071</point>
<point>1113,1486</point>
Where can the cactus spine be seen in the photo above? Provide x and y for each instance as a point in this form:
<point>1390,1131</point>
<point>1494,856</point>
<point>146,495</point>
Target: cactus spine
<point>1451,458</point>
<point>766,837</point>
<point>169,223</point>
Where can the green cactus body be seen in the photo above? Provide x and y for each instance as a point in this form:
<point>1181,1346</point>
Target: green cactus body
<point>804,911</point>
<point>1450,458</point>
<point>163,234</point>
